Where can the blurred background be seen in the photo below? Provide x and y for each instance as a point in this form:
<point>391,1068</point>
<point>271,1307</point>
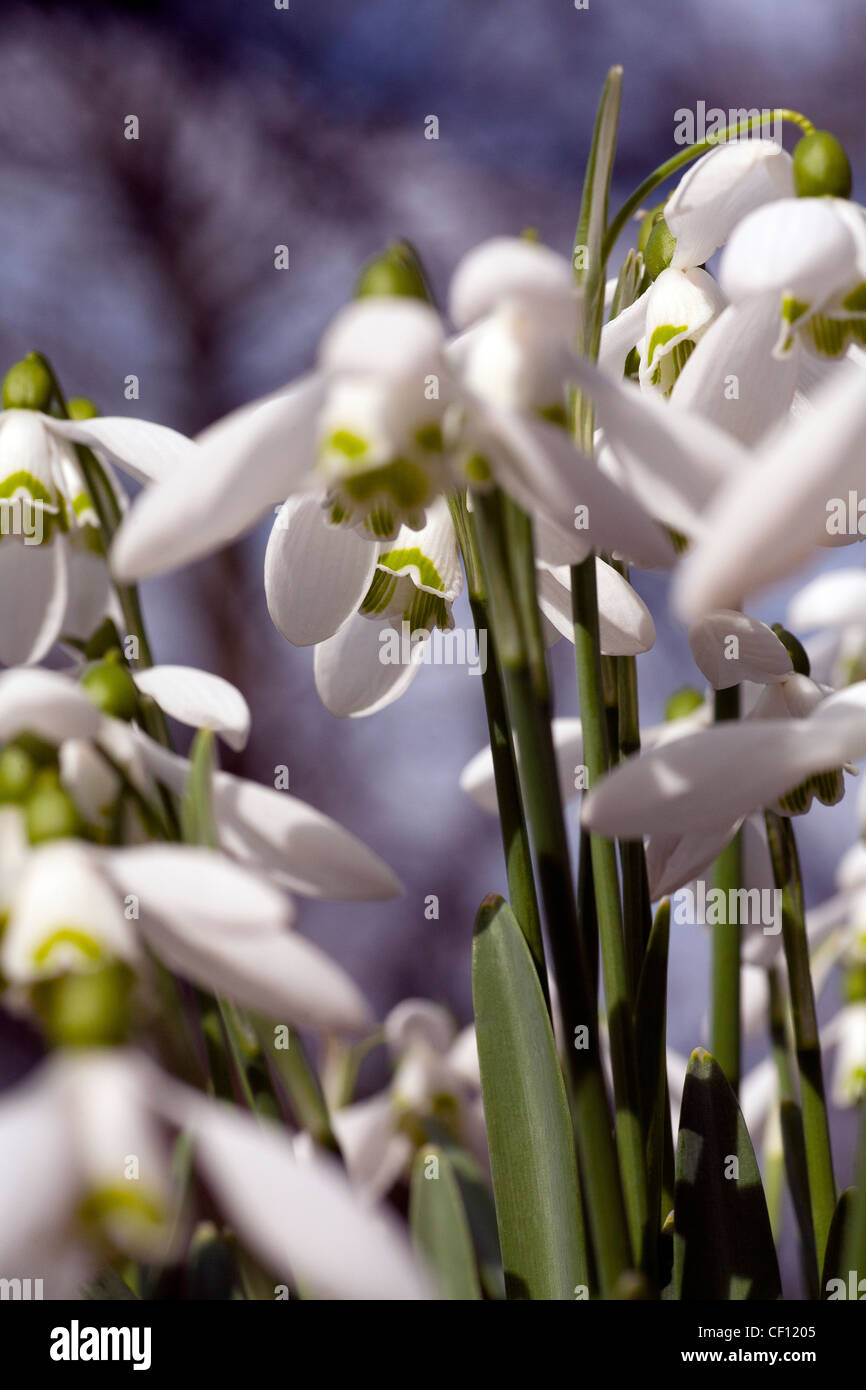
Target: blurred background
<point>304,126</point>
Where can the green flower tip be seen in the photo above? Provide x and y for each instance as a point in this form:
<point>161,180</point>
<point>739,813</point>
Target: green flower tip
<point>28,385</point>
<point>397,271</point>
<point>654,215</point>
<point>80,408</point>
<point>683,703</point>
<point>86,1009</point>
<point>821,167</point>
<point>50,813</point>
<point>795,650</point>
<point>660,249</point>
<point>111,687</point>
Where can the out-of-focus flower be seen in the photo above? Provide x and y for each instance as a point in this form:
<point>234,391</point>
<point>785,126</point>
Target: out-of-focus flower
<point>436,1078</point>
<point>665,325</point>
<point>719,190</point>
<point>85,1173</point>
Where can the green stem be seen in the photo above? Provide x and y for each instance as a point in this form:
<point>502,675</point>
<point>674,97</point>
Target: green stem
<point>636,906</point>
<point>816,1129</point>
<point>791,1124</point>
<point>725,1027</point>
<point>855,1234</point>
<point>540,782</point>
<point>300,1080</point>
<point>678,161</point>
<point>512,819</point>
<point>620,1004</point>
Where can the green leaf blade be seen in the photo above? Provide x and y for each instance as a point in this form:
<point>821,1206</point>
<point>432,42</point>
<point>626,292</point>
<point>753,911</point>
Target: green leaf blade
<point>440,1228</point>
<point>532,1156</point>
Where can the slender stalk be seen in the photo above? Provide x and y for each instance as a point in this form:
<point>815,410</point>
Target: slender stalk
<point>816,1129</point>
<point>301,1082</point>
<point>512,819</point>
<point>620,1003</point>
<point>636,906</point>
<point>791,1124</point>
<point>685,156</point>
<point>725,1026</point>
<point>530,717</point>
<point>855,1234</point>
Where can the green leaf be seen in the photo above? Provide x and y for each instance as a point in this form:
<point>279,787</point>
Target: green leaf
<point>589,238</point>
<point>723,1244</point>
<point>478,1204</point>
<point>440,1229</point>
<point>834,1257</point>
<point>650,1029</point>
<point>529,1135</point>
<point>196,812</point>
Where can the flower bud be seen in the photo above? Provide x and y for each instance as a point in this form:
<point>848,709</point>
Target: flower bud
<point>660,249</point>
<point>397,271</point>
<point>795,650</point>
<point>111,687</point>
<point>28,385</point>
<point>683,703</point>
<point>50,813</point>
<point>80,408</point>
<point>654,215</point>
<point>821,167</point>
<point>17,771</point>
<point>86,1009</point>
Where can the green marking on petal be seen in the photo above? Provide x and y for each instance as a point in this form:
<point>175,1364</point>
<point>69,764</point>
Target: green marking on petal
<point>661,336</point>
<point>793,309</point>
<point>855,302</point>
<point>427,611</point>
<point>353,446</point>
<point>554,414</point>
<point>380,593</point>
<point>477,470</point>
<point>399,559</point>
<point>832,336</point>
<point>106,1203</point>
<point>89,948</point>
<point>430,437</point>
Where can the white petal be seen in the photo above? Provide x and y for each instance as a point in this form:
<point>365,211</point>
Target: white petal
<point>849,1072</point>
<point>374,1152</point>
<point>315,574</point>
<point>46,704</point>
<point>245,464</point>
<point>507,268</point>
<point>796,246</point>
<point>34,591</point>
<point>768,518</point>
<point>674,860</point>
<point>477,779</point>
<point>559,545</point>
<point>90,595</point>
<point>621,334</point>
<point>64,916</point>
<point>712,778</point>
<point>730,647</point>
<point>361,669</point>
<point>542,467</point>
<point>719,190</point>
<point>37,1181</point>
<point>836,599</point>
<point>186,886</point>
<point>415,1022</point>
<point>198,698</point>
<point>272,830</point>
<point>301,1217</point>
<point>733,379</point>
<point>397,336</point>
<point>437,541</point>
<point>625,623</point>
<point>669,455</point>
<point>147,452</point>
<point>280,975</point>
<point>685,301</point>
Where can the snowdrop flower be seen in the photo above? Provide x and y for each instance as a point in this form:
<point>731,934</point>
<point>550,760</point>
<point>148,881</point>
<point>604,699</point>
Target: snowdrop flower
<point>767,518</point>
<point>50,580</point>
<point>86,1171</point>
<point>811,254</point>
<point>730,647</point>
<point>719,190</point>
<point>392,418</point>
<point>77,909</point>
<point>709,780</point>
<point>436,1076</point>
<point>267,829</point>
<point>625,623</point>
<point>835,603</point>
<point>665,325</point>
